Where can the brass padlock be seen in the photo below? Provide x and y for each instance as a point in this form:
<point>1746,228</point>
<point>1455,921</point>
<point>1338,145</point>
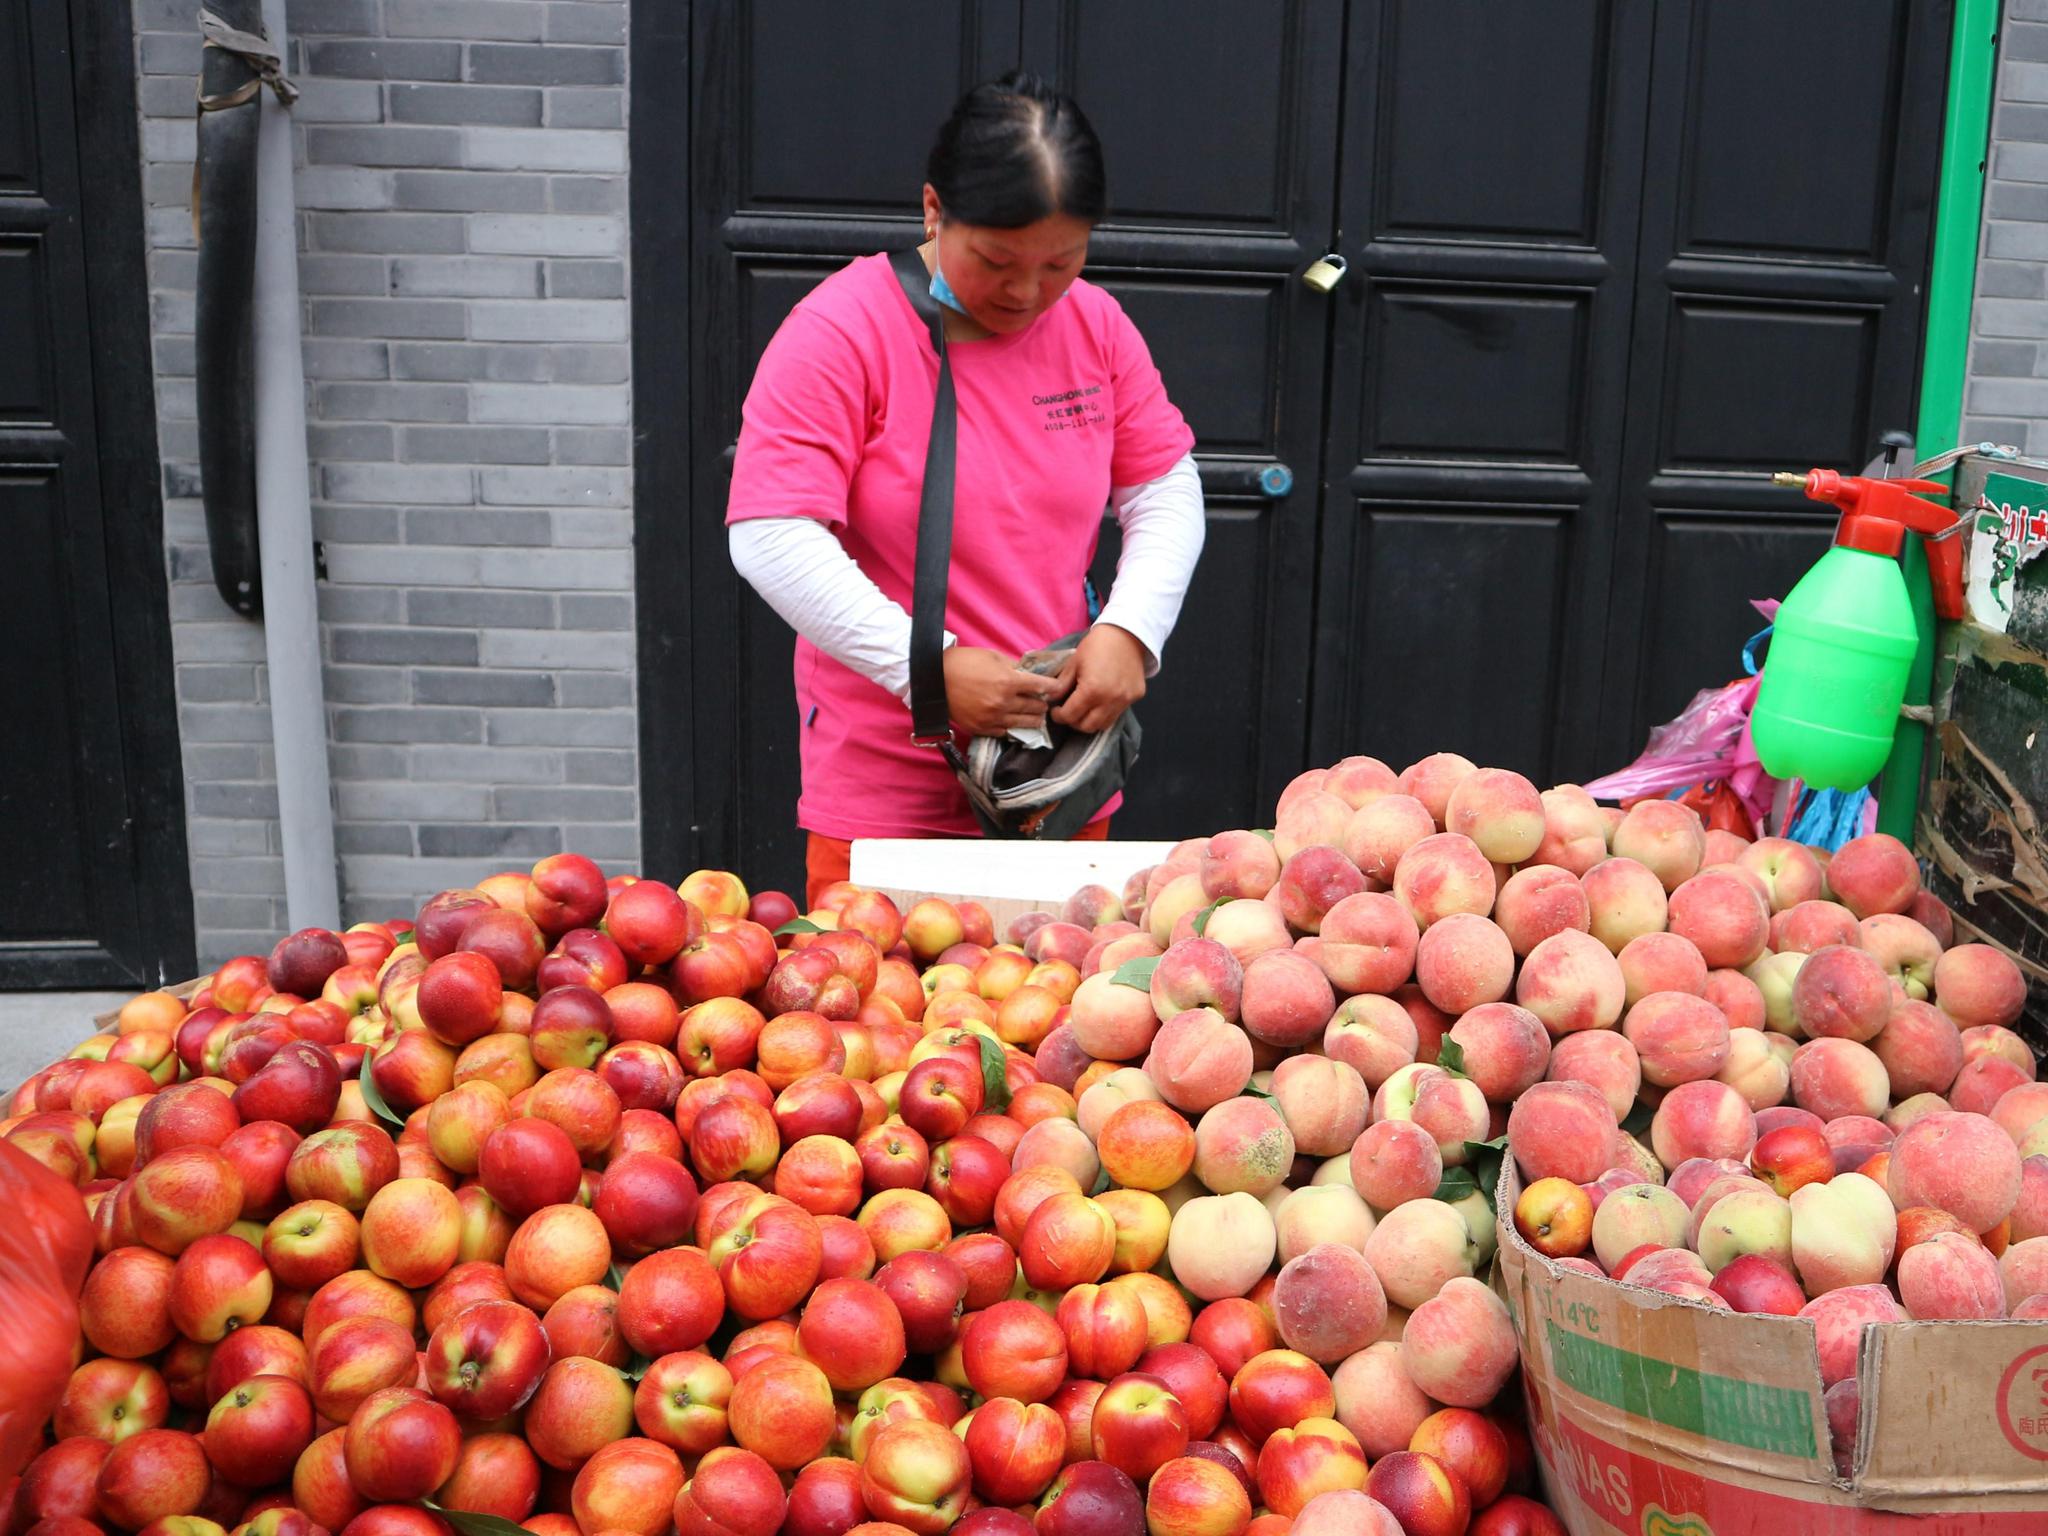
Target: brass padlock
<point>1325,272</point>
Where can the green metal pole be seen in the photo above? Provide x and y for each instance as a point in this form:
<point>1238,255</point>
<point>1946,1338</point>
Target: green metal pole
<point>1951,288</point>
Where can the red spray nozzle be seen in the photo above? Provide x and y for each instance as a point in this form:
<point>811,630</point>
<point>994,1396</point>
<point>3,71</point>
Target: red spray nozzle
<point>1876,515</point>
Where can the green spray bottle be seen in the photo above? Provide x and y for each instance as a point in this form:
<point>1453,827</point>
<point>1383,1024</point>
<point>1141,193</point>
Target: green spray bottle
<point>1845,635</point>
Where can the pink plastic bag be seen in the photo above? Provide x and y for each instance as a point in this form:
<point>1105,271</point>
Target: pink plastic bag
<point>1702,743</point>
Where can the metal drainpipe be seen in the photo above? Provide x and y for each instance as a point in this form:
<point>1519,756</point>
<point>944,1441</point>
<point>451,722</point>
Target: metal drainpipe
<point>291,617</point>
<point>1951,287</point>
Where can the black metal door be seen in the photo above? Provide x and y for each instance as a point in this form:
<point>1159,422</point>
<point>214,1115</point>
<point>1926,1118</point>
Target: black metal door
<point>1606,262</point>
<point>93,886</point>
<point>1491,177</point>
<point>1781,292</point>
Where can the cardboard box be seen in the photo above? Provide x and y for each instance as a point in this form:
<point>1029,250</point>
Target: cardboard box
<point>1655,1416</point>
<point>1009,878</point>
<point>105,1023</point>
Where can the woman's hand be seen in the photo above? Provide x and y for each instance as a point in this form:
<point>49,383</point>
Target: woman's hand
<point>986,693</point>
<point>1104,677</point>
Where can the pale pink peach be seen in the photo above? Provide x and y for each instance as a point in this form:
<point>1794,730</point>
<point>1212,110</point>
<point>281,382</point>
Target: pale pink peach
<point>1506,1049</point>
<point>1661,962</point>
<point>1248,929</point>
<point>1464,961</point>
<point>1451,1109</point>
<point>1381,831</point>
<point>1375,1035</point>
<point>1625,900</point>
<point>1839,1318</point>
<point>1562,1130</point>
<point>1459,1345</point>
<point>1841,993</point>
<point>1540,900</point>
<point>1317,817</point>
<point>1789,871</point>
<point>1199,1059</point>
<point>1574,832</point>
<point>1702,1119</point>
<point>1432,779</point>
<point>1834,1078</point>
<point>1664,836</point>
<point>1963,1164</point>
<point>1443,875</point>
<point>1905,950</point>
<point>1417,1248</point>
<point>1996,1040</point>
<point>1239,864</point>
<point>1976,984</point>
<point>1242,1144</point>
<point>1571,981</point>
<point>1726,919</point>
<point>1396,1161</point>
<point>1325,1104</point>
<point>1287,999</point>
<point>1950,1278</point>
<point>1983,1082</point>
<point>2029,1216</point>
<point>1367,944</point>
<point>1811,925</point>
<point>1500,811</point>
<point>2023,1269</point>
<point>1604,1059</point>
<point>1197,973</point>
<point>1921,1050</point>
<point>1311,882</point>
<point>1754,1070</point>
<point>1378,1401</point>
<point>1679,1037</point>
<point>1360,780</point>
<point>1739,998</point>
<point>1874,873</point>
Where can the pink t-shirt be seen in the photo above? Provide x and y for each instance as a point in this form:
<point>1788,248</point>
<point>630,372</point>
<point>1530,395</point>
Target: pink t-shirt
<point>835,428</point>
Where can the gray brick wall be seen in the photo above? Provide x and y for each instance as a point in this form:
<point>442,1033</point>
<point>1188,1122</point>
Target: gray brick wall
<point>2006,398</point>
<point>462,200</point>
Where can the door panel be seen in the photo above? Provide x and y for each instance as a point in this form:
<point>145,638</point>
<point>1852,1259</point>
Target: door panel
<point>1467,373</point>
<point>1777,317</point>
<point>81,901</point>
<point>1491,121</point>
<point>1489,183</point>
<point>1824,138</point>
<point>1486,667</point>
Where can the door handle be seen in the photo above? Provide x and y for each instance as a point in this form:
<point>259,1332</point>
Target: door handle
<point>1325,272</point>
<point>1242,477</point>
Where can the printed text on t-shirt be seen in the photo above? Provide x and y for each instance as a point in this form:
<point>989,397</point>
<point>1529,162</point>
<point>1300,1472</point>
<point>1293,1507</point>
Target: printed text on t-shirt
<point>1071,409</point>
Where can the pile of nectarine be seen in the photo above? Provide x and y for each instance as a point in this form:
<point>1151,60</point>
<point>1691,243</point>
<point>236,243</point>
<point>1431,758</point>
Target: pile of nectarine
<point>615,1206</point>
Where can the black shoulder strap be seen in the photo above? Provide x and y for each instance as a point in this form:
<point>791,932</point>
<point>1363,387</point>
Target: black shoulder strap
<point>929,721</point>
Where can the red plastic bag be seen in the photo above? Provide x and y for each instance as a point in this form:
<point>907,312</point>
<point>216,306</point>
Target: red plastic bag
<point>46,1246</point>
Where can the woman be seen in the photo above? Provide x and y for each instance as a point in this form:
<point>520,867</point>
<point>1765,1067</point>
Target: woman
<point>1061,412</point>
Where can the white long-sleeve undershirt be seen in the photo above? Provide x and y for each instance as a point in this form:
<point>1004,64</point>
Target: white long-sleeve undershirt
<point>802,571</point>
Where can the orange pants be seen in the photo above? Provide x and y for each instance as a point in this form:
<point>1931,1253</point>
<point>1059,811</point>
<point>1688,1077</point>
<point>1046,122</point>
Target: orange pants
<point>827,859</point>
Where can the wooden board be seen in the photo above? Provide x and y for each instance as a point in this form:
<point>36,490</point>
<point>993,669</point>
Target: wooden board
<point>1008,878</point>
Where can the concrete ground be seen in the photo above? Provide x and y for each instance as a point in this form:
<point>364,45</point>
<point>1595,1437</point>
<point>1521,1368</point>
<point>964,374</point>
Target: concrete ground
<point>38,1027</point>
